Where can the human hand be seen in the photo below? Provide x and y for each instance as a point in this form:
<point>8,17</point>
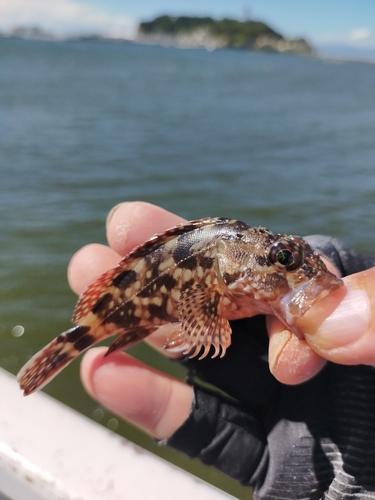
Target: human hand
<point>127,226</point>
<point>154,402</point>
<point>341,327</point>
<point>159,404</point>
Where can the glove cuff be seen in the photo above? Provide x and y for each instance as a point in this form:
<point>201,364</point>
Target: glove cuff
<point>222,435</point>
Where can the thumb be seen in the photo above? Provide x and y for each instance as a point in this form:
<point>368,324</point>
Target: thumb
<point>341,327</point>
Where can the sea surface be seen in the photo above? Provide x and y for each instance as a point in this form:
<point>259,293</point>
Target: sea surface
<point>275,140</point>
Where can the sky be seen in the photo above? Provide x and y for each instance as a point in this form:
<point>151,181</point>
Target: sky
<point>343,23</point>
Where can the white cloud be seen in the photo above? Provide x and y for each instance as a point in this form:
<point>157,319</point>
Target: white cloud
<point>64,17</point>
<point>359,37</point>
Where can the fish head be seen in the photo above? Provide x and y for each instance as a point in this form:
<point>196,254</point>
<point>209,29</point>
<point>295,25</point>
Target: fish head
<point>277,274</point>
<point>307,277</point>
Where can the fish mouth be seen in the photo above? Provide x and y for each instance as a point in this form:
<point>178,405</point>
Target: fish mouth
<point>298,301</point>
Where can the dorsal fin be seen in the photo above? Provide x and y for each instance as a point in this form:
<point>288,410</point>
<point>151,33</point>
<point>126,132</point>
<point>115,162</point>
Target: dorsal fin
<point>160,239</point>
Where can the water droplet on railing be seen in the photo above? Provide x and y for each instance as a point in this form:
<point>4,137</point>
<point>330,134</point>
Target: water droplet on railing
<point>98,414</point>
<point>112,424</point>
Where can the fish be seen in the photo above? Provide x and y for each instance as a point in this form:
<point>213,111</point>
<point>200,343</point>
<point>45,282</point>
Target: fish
<point>198,277</point>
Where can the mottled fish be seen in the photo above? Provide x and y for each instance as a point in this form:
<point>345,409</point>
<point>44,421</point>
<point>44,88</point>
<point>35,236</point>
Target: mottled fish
<point>197,276</point>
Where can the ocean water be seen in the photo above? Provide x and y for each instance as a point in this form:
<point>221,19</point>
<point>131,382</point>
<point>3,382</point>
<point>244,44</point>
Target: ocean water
<point>275,140</point>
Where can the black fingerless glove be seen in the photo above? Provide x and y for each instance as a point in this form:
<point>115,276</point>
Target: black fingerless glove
<point>311,441</point>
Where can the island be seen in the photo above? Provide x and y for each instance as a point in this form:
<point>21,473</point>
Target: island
<point>208,33</point>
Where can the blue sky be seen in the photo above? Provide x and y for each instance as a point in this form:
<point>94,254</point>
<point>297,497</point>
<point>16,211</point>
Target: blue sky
<point>346,23</point>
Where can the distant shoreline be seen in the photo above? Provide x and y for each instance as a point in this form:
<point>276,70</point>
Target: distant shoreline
<point>332,54</point>
<point>189,32</point>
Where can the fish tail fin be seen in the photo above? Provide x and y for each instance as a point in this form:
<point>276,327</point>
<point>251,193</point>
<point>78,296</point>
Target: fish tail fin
<point>48,362</point>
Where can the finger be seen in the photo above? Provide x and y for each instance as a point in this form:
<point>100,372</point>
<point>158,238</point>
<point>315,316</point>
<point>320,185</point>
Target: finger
<point>291,359</point>
<point>130,224</point>
<point>341,327</point>
<point>147,398</point>
<point>89,263</point>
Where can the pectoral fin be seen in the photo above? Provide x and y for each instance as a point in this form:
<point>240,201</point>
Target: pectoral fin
<point>201,323</point>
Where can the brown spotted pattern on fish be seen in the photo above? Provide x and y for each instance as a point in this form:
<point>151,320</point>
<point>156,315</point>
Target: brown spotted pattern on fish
<point>197,276</point>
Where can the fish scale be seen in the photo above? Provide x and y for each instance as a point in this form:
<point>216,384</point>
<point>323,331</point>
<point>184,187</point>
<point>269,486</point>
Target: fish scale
<point>198,276</point>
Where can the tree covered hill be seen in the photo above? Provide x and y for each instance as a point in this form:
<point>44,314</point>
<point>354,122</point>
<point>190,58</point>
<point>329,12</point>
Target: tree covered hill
<point>210,33</point>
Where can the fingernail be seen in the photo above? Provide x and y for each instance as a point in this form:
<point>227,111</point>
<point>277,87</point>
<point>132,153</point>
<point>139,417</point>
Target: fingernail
<point>346,324</point>
<point>114,210</point>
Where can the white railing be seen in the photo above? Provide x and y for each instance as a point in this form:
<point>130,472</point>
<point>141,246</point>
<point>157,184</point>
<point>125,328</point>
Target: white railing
<point>50,452</point>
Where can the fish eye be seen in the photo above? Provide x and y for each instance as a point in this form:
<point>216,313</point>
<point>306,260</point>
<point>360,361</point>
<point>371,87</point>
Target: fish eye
<point>286,254</point>
<point>285,257</point>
